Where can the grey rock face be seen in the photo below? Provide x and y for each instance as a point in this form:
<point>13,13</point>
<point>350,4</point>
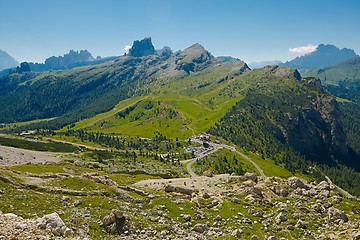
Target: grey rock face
<point>142,48</point>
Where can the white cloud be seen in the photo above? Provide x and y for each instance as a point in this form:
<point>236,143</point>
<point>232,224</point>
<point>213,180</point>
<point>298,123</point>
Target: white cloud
<point>127,48</point>
<point>304,49</point>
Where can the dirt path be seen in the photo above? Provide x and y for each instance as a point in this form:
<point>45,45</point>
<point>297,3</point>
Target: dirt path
<point>110,115</point>
<point>12,156</point>
<point>77,144</point>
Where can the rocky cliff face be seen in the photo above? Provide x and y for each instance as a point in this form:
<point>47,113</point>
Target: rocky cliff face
<point>283,111</point>
<point>317,131</point>
<point>142,48</point>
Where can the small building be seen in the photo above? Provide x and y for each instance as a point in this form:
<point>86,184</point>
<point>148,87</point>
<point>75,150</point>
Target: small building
<point>205,138</point>
<point>206,145</point>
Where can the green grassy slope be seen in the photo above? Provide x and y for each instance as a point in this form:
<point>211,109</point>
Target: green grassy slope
<point>347,72</point>
<point>175,107</point>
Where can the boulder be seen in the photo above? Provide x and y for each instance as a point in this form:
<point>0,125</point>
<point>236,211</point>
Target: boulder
<point>280,190</point>
<point>281,217</point>
<point>254,237</point>
<point>323,185</point>
<point>208,173</point>
<point>186,225</point>
<point>355,235</point>
<point>206,195</point>
<point>181,190</point>
<point>187,217</point>
<point>318,208</point>
<point>237,233</point>
<point>77,203</point>
<point>257,193</point>
<point>65,198</point>
<point>114,222</point>
<point>249,176</point>
<point>295,182</point>
<point>235,200</point>
<point>336,215</point>
<point>324,193</point>
<point>336,199</point>
<point>301,224</point>
<point>296,216</point>
<point>54,223</point>
<point>200,228</point>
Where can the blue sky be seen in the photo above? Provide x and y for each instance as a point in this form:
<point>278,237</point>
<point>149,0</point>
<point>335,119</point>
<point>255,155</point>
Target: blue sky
<point>252,30</point>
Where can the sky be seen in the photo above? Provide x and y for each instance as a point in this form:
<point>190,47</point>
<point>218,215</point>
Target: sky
<point>251,30</point>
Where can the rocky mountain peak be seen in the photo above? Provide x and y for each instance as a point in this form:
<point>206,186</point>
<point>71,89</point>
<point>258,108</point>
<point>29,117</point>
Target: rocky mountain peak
<point>142,48</point>
<point>195,53</point>
<point>283,71</point>
<point>6,61</point>
<point>193,58</point>
<point>62,62</point>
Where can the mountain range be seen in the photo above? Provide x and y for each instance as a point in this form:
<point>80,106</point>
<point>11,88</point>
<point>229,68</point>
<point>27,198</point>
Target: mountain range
<point>262,64</point>
<point>345,73</point>
<point>325,55</point>
<point>272,111</point>
<point>6,61</point>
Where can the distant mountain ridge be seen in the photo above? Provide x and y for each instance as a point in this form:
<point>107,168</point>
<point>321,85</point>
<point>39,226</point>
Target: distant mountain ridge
<point>261,64</point>
<point>347,72</point>
<point>7,61</point>
<point>67,61</point>
<point>324,56</point>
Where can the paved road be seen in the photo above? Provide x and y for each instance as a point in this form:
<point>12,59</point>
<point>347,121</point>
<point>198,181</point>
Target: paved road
<point>246,157</point>
<point>193,160</point>
<point>216,147</point>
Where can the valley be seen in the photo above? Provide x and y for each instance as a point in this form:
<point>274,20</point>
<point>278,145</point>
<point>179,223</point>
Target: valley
<point>176,146</point>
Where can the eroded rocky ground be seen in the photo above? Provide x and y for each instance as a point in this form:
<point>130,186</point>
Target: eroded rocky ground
<point>68,201</point>
<point>10,156</point>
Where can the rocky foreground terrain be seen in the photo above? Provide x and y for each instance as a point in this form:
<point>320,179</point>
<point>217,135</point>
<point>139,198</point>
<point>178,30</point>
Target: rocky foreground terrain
<point>214,207</point>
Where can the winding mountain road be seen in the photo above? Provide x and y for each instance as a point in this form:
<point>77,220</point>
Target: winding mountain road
<point>246,157</point>
<point>216,147</point>
<point>193,160</point>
